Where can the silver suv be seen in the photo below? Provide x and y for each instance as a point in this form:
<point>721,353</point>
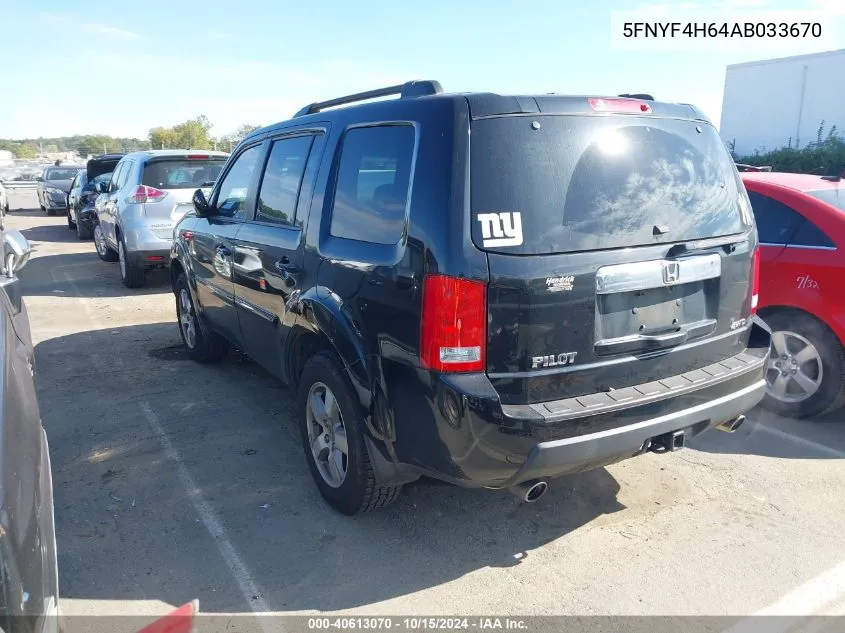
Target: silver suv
<point>147,195</point>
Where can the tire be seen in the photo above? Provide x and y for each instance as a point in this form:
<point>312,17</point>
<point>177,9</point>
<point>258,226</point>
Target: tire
<point>131,274</point>
<point>357,490</point>
<point>105,252</point>
<point>203,347</point>
<point>792,333</point>
<point>82,231</point>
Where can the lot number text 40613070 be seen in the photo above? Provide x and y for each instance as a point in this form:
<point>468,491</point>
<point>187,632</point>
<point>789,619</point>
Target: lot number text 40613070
<point>417,623</point>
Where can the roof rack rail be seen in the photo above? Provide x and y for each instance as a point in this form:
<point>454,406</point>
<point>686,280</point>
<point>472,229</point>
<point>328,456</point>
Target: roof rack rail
<point>418,88</point>
<point>639,95</point>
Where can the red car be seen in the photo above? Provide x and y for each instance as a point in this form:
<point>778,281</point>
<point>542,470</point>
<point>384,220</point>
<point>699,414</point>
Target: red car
<point>801,224</point>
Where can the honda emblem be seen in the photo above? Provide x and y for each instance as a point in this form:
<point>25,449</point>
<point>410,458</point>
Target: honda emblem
<point>671,273</point>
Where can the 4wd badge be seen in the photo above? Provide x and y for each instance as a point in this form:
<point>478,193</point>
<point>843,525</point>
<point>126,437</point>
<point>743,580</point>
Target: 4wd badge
<point>501,229</point>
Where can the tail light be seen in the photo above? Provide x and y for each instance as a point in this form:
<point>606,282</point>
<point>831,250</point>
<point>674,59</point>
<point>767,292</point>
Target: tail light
<point>755,281</point>
<point>454,324</point>
<point>145,193</point>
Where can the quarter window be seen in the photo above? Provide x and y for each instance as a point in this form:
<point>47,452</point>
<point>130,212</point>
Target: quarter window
<point>373,181</point>
<point>779,224</point>
<point>282,179</point>
<point>234,190</point>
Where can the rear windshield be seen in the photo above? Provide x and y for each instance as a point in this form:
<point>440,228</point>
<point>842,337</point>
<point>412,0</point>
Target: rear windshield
<point>583,183</point>
<point>182,173</point>
<point>836,197</point>
<point>60,173</point>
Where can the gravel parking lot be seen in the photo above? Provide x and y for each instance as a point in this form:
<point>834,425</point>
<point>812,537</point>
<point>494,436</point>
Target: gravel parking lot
<point>176,481</point>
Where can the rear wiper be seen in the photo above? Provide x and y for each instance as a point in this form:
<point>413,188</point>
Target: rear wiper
<point>728,242</point>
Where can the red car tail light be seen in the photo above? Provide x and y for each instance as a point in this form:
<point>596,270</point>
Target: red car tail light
<point>755,281</point>
<point>454,324</point>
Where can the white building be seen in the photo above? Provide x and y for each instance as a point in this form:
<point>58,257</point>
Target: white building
<point>772,103</point>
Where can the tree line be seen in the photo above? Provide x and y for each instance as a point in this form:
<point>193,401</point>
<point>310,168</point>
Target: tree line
<point>191,134</point>
<point>825,156</point>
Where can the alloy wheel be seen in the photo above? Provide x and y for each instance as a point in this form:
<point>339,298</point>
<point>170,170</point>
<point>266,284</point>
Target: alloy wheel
<point>327,435</point>
<point>186,319</point>
<point>795,368</point>
<point>122,257</point>
<point>99,241</point>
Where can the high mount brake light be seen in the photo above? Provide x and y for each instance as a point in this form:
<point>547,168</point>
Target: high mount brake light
<point>630,106</point>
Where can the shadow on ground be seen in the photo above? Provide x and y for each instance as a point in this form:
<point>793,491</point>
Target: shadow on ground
<point>235,432</point>
<point>770,435</point>
<point>83,275</point>
<point>59,233</point>
<point>27,213</point>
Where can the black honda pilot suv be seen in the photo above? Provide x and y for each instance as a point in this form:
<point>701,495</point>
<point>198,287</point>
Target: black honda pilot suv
<point>489,290</point>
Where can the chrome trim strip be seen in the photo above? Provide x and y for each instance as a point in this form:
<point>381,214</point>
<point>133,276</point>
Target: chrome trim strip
<point>256,310</point>
<point>805,246</point>
<point>812,248</point>
<point>217,291</point>
<point>651,274</point>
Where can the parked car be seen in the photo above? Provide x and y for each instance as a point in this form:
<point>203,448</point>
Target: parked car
<point>557,294</point>
<point>4,205</point>
<point>29,584</point>
<point>741,167</point>
<point>801,222</point>
<point>53,187</point>
<point>84,191</point>
<point>147,194</point>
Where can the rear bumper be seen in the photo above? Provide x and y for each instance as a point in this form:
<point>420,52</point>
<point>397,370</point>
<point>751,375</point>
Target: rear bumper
<point>150,258</point>
<point>454,427</point>
<point>144,248</point>
<point>571,455</point>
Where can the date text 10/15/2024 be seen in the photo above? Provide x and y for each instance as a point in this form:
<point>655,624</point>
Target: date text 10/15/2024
<point>417,624</point>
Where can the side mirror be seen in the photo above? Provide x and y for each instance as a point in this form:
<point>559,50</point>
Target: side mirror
<point>201,204</point>
<point>16,252</point>
<point>39,179</point>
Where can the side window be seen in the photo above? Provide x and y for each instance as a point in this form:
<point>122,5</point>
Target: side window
<point>115,177</point>
<point>232,194</point>
<point>124,175</point>
<point>282,179</point>
<point>373,179</point>
<point>808,234</point>
<point>776,222</point>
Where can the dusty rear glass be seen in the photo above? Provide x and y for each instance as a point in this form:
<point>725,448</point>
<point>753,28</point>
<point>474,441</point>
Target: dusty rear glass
<point>583,183</point>
<point>182,173</point>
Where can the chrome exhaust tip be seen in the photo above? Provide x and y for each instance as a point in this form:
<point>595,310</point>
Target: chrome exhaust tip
<point>732,426</point>
<point>530,491</point>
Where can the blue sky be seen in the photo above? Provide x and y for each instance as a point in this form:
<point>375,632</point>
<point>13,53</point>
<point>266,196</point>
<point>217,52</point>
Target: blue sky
<point>121,68</point>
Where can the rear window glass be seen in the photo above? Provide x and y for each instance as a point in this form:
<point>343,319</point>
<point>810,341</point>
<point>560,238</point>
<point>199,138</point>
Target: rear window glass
<point>59,173</point>
<point>836,197</point>
<point>181,173</point>
<point>579,183</point>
